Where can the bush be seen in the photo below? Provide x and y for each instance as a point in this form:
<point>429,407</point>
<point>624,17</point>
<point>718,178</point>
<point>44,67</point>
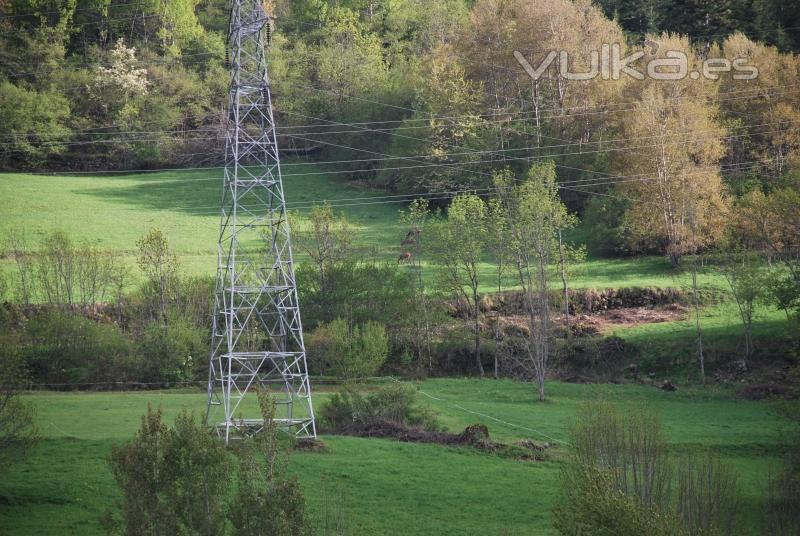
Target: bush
<point>455,353</point>
<point>357,291</point>
<point>596,358</point>
<point>590,503</point>
<point>783,499</point>
<point>268,501</point>
<point>17,431</point>
<point>350,353</point>
<point>170,350</point>
<point>182,480</point>
<point>706,495</point>
<point>349,410</point>
<point>629,446</point>
<point>173,480</point>
<point>619,478</point>
<point>63,347</point>
<point>606,228</point>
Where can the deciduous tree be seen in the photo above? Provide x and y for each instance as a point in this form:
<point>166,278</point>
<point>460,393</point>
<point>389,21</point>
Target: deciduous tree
<point>459,245</point>
<point>535,215</point>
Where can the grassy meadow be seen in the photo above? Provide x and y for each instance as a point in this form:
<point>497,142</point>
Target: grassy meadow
<point>390,487</point>
<point>114,210</point>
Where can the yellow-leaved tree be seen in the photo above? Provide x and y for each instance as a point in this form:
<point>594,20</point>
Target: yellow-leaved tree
<point>670,160</point>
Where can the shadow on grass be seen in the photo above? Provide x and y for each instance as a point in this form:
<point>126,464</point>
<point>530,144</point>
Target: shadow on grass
<point>188,193</point>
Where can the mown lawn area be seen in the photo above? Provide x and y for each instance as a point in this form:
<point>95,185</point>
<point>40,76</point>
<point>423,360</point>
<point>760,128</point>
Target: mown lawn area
<point>396,488</point>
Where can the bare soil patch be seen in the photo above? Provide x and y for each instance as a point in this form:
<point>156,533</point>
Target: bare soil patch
<point>598,323</point>
<point>623,317</point>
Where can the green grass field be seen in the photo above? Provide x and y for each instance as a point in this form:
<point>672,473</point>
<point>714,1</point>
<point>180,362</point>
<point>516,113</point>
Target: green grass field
<point>396,488</point>
<point>113,211</point>
<point>388,487</point>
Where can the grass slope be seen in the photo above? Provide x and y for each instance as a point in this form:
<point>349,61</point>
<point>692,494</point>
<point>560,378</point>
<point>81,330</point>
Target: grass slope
<point>389,487</point>
<point>113,211</point>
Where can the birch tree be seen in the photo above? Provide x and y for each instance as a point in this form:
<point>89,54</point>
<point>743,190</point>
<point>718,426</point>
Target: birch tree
<point>460,244</point>
<point>535,215</point>
<point>676,144</point>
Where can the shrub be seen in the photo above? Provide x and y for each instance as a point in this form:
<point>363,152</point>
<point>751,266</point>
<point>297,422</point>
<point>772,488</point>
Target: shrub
<point>629,446</point>
<point>181,480</point>
<point>606,229</point>
<point>351,353</point>
<point>706,495</point>
<point>268,501</point>
<point>349,410</point>
<point>4,287</point>
<point>783,491</point>
<point>66,348</point>
<point>598,358</point>
<point>619,478</point>
<point>591,503</point>
<point>170,350</point>
<point>17,431</point>
<point>455,353</point>
<point>173,480</point>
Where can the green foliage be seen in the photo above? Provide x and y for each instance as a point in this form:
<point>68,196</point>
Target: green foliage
<point>64,348</point>
<point>358,291</point>
<point>621,458</point>
<point>747,280</point>
<point>173,480</point>
<point>389,476</point>
<point>268,500</point>
<point>765,20</point>
<point>629,446</point>
<point>351,352</point>
<point>171,351</point>
<point>36,123</point>
<point>160,265</point>
<point>17,426</point>
<point>783,492</point>
<point>591,504</point>
<point>707,495</point>
<point>459,243</point>
<point>606,230</point>
<point>196,467</point>
<point>535,219</point>
<point>350,60</point>
<point>349,410</point>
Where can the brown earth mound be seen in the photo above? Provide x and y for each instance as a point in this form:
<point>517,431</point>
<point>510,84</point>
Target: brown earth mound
<point>588,324</point>
<point>631,316</point>
<point>474,435</point>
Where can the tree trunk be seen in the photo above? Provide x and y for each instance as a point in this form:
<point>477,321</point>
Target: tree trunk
<point>478,342</point>
<point>696,300</point>
<point>564,283</point>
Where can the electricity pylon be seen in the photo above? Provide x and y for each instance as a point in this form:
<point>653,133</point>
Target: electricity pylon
<point>257,337</point>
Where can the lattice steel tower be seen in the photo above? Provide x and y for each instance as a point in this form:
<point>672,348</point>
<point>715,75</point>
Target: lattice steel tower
<point>257,337</point>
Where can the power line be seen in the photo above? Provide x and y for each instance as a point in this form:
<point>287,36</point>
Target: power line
<point>386,157</point>
<point>440,195</point>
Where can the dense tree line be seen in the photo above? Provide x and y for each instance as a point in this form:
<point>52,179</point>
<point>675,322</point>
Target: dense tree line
<point>426,100</point>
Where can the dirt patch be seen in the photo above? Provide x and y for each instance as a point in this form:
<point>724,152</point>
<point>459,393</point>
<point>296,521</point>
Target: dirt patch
<point>624,317</point>
<point>588,324</point>
<point>474,435</point>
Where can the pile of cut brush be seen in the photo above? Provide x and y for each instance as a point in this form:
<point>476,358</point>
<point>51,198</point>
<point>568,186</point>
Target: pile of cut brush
<point>474,435</point>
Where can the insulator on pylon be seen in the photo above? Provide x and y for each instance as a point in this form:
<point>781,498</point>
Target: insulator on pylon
<point>268,30</point>
<point>227,58</point>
